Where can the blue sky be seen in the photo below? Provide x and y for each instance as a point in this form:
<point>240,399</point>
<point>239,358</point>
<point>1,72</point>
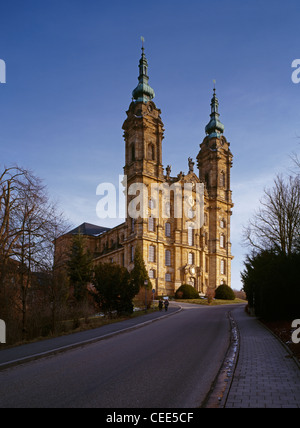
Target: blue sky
<point>72,65</point>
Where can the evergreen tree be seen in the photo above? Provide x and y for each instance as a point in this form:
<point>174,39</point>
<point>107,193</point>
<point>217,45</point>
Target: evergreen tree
<point>79,267</point>
<point>139,273</point>
<point>114,290</point>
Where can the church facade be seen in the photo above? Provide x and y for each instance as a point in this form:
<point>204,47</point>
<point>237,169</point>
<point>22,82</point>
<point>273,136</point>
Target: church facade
<point>176,250</point>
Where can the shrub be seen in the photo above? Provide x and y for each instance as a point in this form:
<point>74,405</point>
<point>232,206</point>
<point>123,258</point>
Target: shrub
<point>186,291</point>
<point>224,292</point>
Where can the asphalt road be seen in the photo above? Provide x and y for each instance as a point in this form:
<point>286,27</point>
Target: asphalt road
<point>167,364</point>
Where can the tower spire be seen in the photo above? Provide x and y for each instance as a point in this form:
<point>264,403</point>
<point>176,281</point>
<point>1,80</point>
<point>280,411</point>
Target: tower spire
<point>215,127</point>
<point>143,92</point>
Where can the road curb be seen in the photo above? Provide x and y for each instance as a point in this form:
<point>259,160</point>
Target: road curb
<point>62,349</point>
<point>218,394</point>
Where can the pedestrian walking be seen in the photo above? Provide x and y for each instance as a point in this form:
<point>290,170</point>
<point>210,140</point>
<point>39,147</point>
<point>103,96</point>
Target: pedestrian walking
<point>166,304</point>
<point>160,304</point>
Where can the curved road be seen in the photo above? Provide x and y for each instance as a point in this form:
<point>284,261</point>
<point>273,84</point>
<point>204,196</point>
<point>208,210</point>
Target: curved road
<point>167,364</point>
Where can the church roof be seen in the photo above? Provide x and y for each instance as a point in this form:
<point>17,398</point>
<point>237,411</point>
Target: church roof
<point>89,230</point>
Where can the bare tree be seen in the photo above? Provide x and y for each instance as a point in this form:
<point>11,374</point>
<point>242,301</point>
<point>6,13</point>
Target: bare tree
<point>28,224</point>
<point>276,224</point>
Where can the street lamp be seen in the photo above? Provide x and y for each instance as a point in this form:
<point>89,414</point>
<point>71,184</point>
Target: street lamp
<point>146,285</point>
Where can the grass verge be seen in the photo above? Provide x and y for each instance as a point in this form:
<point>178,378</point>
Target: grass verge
<point>215,302</point>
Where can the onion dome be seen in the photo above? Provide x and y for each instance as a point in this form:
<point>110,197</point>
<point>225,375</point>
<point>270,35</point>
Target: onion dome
<point>214,128</point>
<point>143,92</point>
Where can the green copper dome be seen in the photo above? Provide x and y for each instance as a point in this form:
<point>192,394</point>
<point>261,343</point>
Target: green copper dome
<point>143,92</point>
<point>214,128</point>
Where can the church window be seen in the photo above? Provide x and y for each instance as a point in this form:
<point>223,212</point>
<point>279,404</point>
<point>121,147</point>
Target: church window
<point>131,253</point>
<point>151,204</point>
<point>222,267</point>
<point>190,236</point>
<point>222,241</point>
<point>168,230</point>
<point>168,258</point>
<point>222,224</point>
<point>206,264</point>
<point>167,209</point>
<point>151,273</point>
<point>191,258</point>
<point>168,277</point>
<point>151,225</point>
<point>151,254</point>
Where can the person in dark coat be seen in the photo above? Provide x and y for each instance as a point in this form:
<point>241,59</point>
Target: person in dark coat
<point>160,304</point>
<point>166,304</point>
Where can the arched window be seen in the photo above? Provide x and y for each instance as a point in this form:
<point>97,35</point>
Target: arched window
<point>151,224</point>
<point>206,264</point>
<point>168,230</point>
<point>168,258</point>
<point>151,254</point>
<point>190,236</point>
<point>151,273</point>
<point>222,241</point>
<point>191,259</point>
<point>222,267</point>
<point>166,210</point>
<point>168,277</point>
